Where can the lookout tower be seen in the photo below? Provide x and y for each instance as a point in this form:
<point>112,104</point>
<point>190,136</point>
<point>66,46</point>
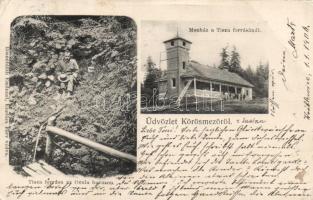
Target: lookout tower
<point>177,52</point>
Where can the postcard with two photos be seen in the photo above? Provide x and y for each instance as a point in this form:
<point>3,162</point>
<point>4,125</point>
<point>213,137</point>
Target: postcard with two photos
<point>163,100</point>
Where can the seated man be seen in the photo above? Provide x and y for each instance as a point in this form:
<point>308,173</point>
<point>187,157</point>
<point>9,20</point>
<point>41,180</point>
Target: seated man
<point>68,73</point>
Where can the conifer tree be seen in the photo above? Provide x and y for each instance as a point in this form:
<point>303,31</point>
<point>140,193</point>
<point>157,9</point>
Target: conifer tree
<point>150,82</point>
<point>234,65</point>
<point>224,59</point>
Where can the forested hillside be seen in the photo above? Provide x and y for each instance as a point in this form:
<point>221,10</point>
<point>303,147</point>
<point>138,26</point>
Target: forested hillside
<point>103,105</point>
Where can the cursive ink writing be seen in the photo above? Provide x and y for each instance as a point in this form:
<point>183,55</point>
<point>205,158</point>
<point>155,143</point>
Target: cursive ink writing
<point>283,70</point>
<point>292,39</point>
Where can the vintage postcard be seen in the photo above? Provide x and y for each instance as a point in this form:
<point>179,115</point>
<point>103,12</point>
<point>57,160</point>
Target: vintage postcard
<point>163,100</point>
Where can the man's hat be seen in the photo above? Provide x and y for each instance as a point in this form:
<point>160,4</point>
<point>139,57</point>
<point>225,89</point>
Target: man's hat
<point>63,78</point>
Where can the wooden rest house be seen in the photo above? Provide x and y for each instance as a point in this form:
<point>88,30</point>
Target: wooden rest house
<point>185,78</point>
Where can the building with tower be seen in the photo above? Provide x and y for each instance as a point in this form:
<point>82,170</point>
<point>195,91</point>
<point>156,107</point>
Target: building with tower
<point>190,79</point>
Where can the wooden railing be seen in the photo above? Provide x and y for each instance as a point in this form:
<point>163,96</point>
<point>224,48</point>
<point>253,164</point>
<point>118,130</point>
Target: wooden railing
<point>52,130</point>
<point>204,93</point>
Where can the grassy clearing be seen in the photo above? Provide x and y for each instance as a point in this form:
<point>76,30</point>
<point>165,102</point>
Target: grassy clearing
<point>256,106</point>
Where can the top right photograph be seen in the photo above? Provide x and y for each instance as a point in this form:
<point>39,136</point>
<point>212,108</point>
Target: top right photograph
<point>204,67</point>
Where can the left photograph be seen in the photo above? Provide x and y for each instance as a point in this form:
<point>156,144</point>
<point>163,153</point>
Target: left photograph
<point>72,95</point>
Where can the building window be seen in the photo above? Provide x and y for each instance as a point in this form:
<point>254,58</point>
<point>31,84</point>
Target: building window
<point>184,65</point>
<point>184,43</point>
<point>173,82</point>
<point>172,43</point>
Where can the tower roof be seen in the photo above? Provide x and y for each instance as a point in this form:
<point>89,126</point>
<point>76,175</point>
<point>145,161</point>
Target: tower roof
<point>177,38</point>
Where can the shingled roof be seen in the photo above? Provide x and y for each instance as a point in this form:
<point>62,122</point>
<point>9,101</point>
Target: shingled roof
<point>211,73</point>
